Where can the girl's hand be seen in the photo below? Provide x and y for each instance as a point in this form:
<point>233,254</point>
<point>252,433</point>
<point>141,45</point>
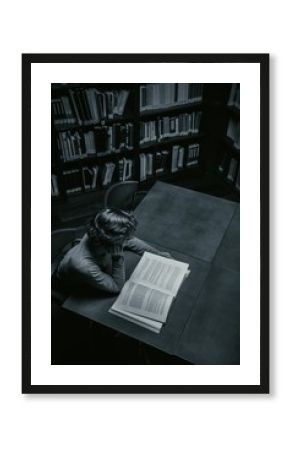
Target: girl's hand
<point>165,255</point>
<point>117,250</point>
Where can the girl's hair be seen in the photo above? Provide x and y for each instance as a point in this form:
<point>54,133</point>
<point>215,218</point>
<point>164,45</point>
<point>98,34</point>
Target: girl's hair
<point>112,226</point>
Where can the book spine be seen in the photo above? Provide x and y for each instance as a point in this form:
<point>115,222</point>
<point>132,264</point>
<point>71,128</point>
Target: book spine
<point>174,158</point>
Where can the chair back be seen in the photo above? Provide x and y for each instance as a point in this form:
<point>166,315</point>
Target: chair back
<point>61,241</point>
<point>121,195</point>
<point>60,238</point>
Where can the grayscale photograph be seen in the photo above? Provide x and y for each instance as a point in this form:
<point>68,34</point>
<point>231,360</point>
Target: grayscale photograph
<point>145,224</point>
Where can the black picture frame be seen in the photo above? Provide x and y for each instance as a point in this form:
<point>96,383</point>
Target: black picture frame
<point>263,61</point>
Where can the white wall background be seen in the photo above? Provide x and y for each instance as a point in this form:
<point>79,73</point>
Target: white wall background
<point>127,422</point>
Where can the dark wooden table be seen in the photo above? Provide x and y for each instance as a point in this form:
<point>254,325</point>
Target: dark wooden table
<point>203,325</point>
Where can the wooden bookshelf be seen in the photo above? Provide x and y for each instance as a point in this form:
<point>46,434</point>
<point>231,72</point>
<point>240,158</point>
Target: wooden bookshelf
<point>234,111</point>
<point>228,143</point>
<point>228,161</point>
<point>211,140</point>
<point>121,120</point>
<point>83,162</point>
<point>172,141</point>
<point>171,110</point>
<point>89,160</point>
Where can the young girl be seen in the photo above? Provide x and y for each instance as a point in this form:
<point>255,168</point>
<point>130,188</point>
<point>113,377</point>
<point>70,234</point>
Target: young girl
<point>98,259</point>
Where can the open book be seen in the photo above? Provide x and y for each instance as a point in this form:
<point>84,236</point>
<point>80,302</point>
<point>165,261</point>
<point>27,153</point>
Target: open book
<point>148,295</point>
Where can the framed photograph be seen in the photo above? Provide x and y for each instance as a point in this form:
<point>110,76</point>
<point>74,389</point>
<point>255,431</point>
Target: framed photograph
<point>146,266</point>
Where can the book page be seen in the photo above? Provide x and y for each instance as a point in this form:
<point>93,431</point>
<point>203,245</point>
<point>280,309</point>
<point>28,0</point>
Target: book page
<point>149,324</point>
<point>143,301</point>
<point>157,272</point>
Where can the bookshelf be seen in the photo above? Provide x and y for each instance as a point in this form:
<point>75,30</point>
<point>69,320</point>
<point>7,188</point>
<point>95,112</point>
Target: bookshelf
<point>105,133</point>
<point>228,166</point>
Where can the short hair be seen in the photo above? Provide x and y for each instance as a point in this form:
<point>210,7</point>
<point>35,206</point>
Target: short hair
<point>112,226</point>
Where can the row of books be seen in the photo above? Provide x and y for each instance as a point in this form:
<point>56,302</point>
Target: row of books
<point>86,179</point>
<point>168,161</point>
<point>234,98</point>
<point>170,127</point>
<point>182,157</point>
<point>88,106</point>
<point>165,95</point>
<point>233,132</point>
<point>102,140</point>
<point>230,169</point>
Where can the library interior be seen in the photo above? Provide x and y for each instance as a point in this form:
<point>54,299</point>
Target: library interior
<point>169,153</point>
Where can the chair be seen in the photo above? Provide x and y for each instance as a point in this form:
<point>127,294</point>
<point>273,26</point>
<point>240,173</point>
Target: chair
<point>61,241</point>
<point>123,195</point>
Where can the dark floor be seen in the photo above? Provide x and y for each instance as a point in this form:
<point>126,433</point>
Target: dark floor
<point>75,340</point>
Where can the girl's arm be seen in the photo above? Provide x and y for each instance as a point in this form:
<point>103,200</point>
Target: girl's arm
<point>138,246</point>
